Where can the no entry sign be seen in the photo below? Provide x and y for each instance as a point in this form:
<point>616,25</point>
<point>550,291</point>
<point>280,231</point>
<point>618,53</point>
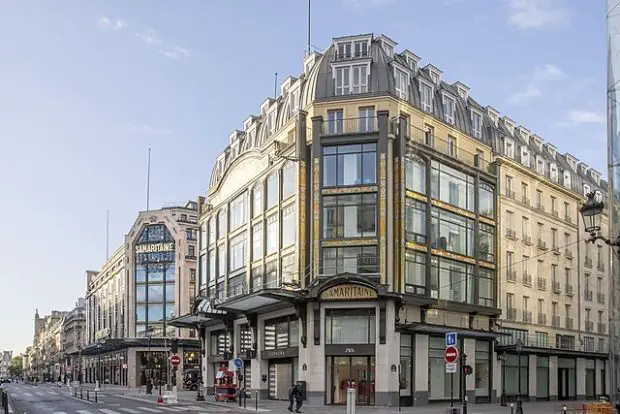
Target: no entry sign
<point>175,360</point>
<point>451,354</point>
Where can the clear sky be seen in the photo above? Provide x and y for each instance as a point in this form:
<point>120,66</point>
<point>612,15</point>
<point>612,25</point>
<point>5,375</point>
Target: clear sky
<point>87,86</point>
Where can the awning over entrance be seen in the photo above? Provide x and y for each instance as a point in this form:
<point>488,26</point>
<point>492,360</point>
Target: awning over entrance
<point>204,310</point>
<point>188,321</point>
<point>442,330</point>
<point>112,345</point>
<point>261,299</point>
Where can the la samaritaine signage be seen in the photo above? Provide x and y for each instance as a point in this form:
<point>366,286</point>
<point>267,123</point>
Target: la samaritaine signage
<point>155,247</point>
<point>349,292</point>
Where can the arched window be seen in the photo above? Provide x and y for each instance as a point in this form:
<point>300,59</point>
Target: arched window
<point>415,171</point>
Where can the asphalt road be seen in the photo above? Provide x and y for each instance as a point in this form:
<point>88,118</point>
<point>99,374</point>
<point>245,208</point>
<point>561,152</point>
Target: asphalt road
<point>49,399</point>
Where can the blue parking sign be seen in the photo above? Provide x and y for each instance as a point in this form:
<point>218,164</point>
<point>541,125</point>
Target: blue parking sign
<point>450,338</point>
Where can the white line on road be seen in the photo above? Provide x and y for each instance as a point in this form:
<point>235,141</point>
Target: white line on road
<point>59,412</point>
<point>108,411</point>
<point>27,394</point>
<point>150,410</point>
<point>83,412</point>
<point>193,407</point>
<point>171,409</point>
<point>129,410</point>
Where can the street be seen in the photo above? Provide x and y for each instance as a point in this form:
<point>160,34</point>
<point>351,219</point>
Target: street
<point>47,398</point>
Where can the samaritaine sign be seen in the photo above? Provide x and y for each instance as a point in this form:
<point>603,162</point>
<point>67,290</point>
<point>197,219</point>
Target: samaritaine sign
<point>349,292</point>
<point>155,247</point>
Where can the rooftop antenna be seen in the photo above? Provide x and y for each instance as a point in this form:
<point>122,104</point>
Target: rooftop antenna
<point>107,234</point>
<point>309,10</point>
<point>275,86</point>
<point>148,181</point>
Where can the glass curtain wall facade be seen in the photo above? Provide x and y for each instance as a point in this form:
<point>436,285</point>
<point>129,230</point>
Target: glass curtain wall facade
<point>155,277</point>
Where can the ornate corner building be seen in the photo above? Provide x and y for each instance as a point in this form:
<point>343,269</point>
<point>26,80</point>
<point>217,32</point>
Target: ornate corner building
<point>352,224</point>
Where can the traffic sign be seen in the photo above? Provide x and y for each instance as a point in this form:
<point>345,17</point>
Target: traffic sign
<point>175,360</point>
<point>451,354</point>
<point>238,362</point>
<point>451,368</point>
<point>450,339</point>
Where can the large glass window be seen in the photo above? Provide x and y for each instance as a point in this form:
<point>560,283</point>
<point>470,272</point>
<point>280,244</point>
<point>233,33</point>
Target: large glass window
<point>542,376</point>
<point>350,215</point>
<point>202,271</point>
<point>482,368</point>
<point>454,280</point>
<point>416,221</point>
<point>272,234</point>
<point>486,198</point>
<point>406,365</point>
<point>237,252</point>
<point>350,326</point>
<point>257,278</point>
<point>511,373</point>
<point>272,190</point>
<point>452,186</point>
<point>281,333</point>
<point>203,235</point>
<point>271,274</point>
<point>486,246</point>
<point>257,241</point>
<point>212,231</point>
<point>257,200</point>
<point>415,268</point>
<point>212,262</point>
<point>289,226</point>
<point>238,215</point>
<point>235,286</point>
<point>486,287</point>
<point>221,223</point>
<point>440,382</point>
<point>288,180</point>
<point>288,269</point>
<point>415,170</point>
<point>452,232</point>
<point>221,260</point>
<point>354,164</point>
<point>355,260</point>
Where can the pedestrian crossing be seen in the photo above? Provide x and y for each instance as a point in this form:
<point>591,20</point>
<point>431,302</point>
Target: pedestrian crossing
<point>139,410</point>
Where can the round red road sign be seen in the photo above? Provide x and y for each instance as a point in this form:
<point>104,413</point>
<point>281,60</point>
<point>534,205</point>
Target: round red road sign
<point>451,354</point>
<point>175,360</point>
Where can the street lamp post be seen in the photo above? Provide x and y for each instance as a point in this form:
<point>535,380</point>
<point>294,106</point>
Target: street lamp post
<point>503,398</point>
<point>98,366</point>
<point>591,212</point>
<point>149,381</point>
<point>519,409</point>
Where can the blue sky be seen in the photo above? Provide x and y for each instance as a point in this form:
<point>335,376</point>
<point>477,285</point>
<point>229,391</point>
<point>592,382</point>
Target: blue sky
<point>87,87</point>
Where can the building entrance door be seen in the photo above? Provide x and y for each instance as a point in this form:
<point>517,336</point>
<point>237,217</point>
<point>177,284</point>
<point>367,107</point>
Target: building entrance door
<point>357,372</point>
<point>562,383</point>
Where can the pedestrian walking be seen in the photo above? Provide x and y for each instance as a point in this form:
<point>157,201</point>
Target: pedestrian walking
<point>291,397</point>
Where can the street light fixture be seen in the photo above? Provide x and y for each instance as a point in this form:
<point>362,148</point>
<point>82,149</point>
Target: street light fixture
<point>149,381</point>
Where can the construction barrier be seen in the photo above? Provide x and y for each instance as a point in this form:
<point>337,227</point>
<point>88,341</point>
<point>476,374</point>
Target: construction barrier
<point>591,408</point>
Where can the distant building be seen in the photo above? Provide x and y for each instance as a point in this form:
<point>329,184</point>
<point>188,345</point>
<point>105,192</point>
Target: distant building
<point>5,363</point>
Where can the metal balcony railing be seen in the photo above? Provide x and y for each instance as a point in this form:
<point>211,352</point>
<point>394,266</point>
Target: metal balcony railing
<point>587,262</point>
<point>527,316</point>
<point>555,249</point>
<point>542,318</point>
<point>600,298</point>
<point>568,289</point>
<point>525,200</point>
<point>564,342</point>
<point>511,314</point>
<point>527,239</point>
<point>569,323</point>
<point>568,253</point>
<point>602,328</point>
<point>568,218</point>
<point>511,234</point>
<point>589,325</point>
<point>587,294</point>
<point>540,207</point>
<point>511,275</point>
<point>542,283</point>
<point>509,193</point>
<point>600,266</point>
<point>555,321</point>
<point>527,279</point>
<point>555,285</point>
<point>542,245</point>
<point>555,213</point>
<point>345,126</point>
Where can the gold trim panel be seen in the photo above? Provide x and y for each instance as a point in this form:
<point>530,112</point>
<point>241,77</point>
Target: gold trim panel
<point>417,196</point>
<point>316,195</point>
<point>453,209</point>
<point>487,220</point>
<point>302,219</point>
<point>487,265</point>
<point>382,214</point>
<point>416,246</point>
<point>350,190</point>
<point>349,242</point>
<point>449,255</point>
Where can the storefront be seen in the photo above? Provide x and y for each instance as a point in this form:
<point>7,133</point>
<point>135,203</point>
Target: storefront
<point>567,379</point>
<point>350,366</point>
<point>280,337</point>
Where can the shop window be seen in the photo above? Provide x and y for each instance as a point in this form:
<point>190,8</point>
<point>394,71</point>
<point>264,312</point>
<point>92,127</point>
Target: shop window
<point>350,326</point>
<point>452,186</point>
<point>406,365</point>
<point>353,215</point>
<point>354,164</point>
<point>415,268</point>
<point>440,383</point>
<point>590,379</point>
<point>511,372</point>
<point>452,232</point>
<point>415,220</point>
<point>281,333</point>
<point>542,376</point>
<point>357,260</point>
<point>415,168</point>
<point>482,368</point>
<point>219,342</point>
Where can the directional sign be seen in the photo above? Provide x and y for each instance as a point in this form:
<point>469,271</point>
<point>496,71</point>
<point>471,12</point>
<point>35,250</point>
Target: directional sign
<point>451,354</point>
<point>451,368</point>
<point>175,360</point>
<point>450,339</point>
<point>238,362</point>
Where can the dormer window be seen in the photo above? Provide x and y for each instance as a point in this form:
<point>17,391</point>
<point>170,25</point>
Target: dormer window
<point>509,149</point>
<point>389,50</point>
<point>567,181</point>
<point>344,51</point>
<point>596,177</point>
<point>525,156</point>
<point>553,171</point>
<point>426,97</point>
<point>401,82</point>
<point>598,195</point>
<point>448,108</point>
<point>360,48</point>
<point>540,166</point>
<point>476,124</point>
<point>351,79</point>
<point>412,63</point>
<point>434,77</point>
<point>586,189</point>
<point>509,126</point>
<point>493,115</point>
<point>463,93</point>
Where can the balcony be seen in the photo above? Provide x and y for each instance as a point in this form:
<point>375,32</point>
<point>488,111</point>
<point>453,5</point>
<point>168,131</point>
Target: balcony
<point>569,323</point>
<point>527,240</point>
<point>511,275</point>
<point>556,250</point>
<point>359,54</point>
<point>589,325</point>
<point>509,193</point>
<point>568,253</point>
<point>555,214</point>
<point>511,314</point>
<point>602,328</point>
<point>541,283</point>
<point>555,321</point>
<point>600,298</point>
<point>542,245</point>
<point>587,294</point>
<point>350,126</point>
<point>600,267</point>
<point>555,286</point>
<point>587,262</point>
<point>568,289</point>
<point>525,201</point>
<point>527,316</point>
<point>527,279</point>
<point>568,218</point>
<point>542,318</point>
<point>511,234</point>
<point>540,207</point>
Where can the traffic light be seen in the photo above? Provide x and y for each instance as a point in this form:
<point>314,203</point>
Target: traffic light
<point>468,370</point>
<point>174,345</point>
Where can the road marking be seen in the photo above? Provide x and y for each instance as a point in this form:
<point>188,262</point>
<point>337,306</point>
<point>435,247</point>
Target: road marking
<point>108,411</point>
<point>59,412</point>
<point>150,410</point>
<point>27,394</point>
<point>193,407</point>
<point>83,412</point>
<point>171,409</point>
<point>129,410</point>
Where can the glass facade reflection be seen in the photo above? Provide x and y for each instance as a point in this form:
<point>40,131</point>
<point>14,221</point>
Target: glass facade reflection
<point>155,277</point>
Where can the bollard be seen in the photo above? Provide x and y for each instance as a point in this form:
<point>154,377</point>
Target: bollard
<point>96,393</point>
<point>350,401</point>
<point>87,395</point>
<point>256,399</point>
<point>564,408</point>
<point>81,396</point>
<point>512,407</point>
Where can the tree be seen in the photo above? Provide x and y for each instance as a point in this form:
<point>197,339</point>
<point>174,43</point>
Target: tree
<point>15,369</point>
